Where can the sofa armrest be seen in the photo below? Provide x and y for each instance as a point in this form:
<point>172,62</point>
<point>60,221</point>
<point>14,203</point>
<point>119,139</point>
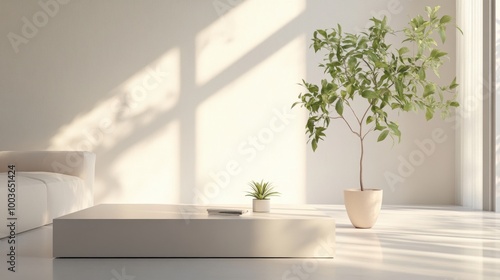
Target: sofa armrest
<point>74,163</point>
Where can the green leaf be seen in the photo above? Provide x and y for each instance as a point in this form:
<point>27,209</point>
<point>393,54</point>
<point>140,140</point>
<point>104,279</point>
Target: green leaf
<point>428,10</point>
<point>429,89</point>
<point>352,62</point>
<point>339,107</point>
<point>403,68</point>
<point>435,53</point>
<point>403,50</point>
<point>312,88</point>
<point>442,34</point>
<point>314,144</point>
<point>383,135</point>
<point>319,133</point>
<point>322,32</point>
<point>373,57</point>
<point>399,86</point>
<point>332,99</point>
<point>370,94</point>
<point>395,105</point>
<point>407,107</point>
<point>429,114</point>
<point>421,73</point>
<point>445,19</point>
<point>363,43</point>
<point>379,127</point>
<point>454,83</point>
<point>310,124</point>
<point>454,104</point>
<point>369,119</point>
<point>395,129</point>
<point>349,89</point>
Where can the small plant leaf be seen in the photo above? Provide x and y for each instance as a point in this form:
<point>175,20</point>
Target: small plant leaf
<point>454,84</point>
<point>429,114</point>
<point>322,32</point>
<point>339,107</point>
<point>369,94</point>
<point>442,34</point>
<point>445,19</point>
<point>314,144</point>
<point>403,50</point>
<point>429,89</point>
<point>383,135</point>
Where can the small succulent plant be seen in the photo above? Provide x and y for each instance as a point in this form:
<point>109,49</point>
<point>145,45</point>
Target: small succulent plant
<point>261,190</point>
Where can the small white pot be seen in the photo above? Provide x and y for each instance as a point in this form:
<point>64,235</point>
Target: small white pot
<point>261,205</point>
<point>363,207</point>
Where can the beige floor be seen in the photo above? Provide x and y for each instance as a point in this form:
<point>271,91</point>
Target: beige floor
<point>407,243</point>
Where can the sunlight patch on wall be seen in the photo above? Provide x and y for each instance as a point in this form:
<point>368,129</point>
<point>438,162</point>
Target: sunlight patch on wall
<point>238,32</point>
<point>137,101</point>
<point>247,131</point>
<point>148,171</point>
<point>126,124</point>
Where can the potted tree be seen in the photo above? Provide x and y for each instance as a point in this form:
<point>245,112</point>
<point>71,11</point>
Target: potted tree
<point>363,69</point>
<point>261,192</point>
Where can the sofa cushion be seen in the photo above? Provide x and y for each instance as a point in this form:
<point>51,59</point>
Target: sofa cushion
<point>43,196</point>
<point>65,193</point>
<point>31,203</point>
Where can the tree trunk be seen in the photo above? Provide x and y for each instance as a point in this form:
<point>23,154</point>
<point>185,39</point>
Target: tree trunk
<point>361,164</point>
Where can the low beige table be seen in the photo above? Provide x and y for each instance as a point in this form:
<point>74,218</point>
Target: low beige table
<point>153,230</point>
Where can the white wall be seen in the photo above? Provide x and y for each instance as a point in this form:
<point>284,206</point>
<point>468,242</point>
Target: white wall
<point>186,101</point>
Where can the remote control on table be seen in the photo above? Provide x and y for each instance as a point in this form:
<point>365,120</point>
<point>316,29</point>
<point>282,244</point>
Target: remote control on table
<point>223,211</point>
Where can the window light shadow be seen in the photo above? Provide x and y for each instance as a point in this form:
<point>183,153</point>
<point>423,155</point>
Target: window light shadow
<point>148,133</point>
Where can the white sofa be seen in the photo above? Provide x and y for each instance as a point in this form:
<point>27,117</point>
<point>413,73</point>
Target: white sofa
<point>49,184</point>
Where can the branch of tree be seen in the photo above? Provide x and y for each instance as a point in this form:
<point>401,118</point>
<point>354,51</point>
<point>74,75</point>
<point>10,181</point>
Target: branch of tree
<point>359,135</point>
<point>352,110</point>
<point>370,130</point>
<point>366,111</point>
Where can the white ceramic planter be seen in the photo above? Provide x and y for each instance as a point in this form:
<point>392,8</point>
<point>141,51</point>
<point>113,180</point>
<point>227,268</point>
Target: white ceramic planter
<point>363,207</point>
<point>261,205</point>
